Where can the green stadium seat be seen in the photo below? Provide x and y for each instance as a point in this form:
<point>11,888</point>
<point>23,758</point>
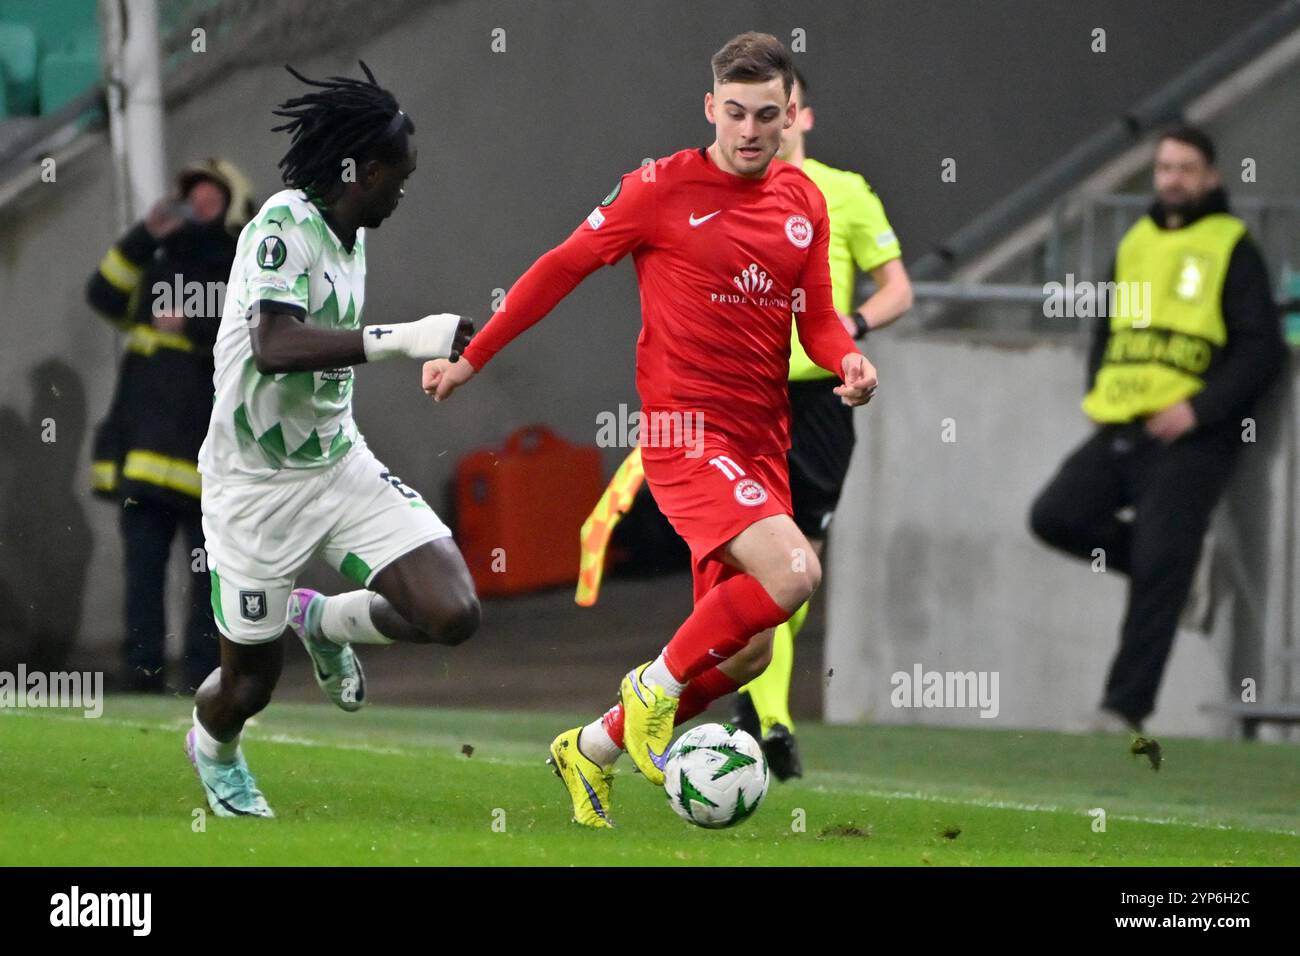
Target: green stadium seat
<point>65,75</point>
<point>67,47</point>
<point>1291,318</point>
<point>18,68</point>
<point>58,24</point>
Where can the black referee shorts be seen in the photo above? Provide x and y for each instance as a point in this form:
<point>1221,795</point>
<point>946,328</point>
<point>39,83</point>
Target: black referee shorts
<point>821,443</point>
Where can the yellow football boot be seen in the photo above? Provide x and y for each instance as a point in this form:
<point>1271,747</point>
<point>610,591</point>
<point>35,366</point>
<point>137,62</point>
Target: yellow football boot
<point>648,713</point>
<point>588,783</point>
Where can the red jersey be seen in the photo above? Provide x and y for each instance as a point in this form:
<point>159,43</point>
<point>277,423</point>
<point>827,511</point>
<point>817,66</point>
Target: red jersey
<point>722,262</point>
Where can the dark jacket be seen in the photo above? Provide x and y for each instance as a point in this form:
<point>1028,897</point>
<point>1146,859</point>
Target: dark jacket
<point>148,445</point>
<point>1255,351</point>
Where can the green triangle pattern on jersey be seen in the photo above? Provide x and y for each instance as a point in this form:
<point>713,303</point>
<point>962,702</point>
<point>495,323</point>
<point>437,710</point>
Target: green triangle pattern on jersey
<point>332,390</point>
<point>297,387</point>
<point>328,313</point>
<point>308,451</point>
<point>339,445</point>
<point>243,430</point>
<point>350,316</point>
<point>272,442</point>
<point>301,285</point>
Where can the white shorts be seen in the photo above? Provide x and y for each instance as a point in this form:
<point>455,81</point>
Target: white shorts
<point>261,534</point>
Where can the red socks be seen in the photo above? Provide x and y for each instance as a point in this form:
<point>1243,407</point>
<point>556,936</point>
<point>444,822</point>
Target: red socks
<point>699,693</point>
<point>722,623</point>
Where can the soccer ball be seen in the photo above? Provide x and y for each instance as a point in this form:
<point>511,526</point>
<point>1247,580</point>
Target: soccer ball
<point>715,775</point>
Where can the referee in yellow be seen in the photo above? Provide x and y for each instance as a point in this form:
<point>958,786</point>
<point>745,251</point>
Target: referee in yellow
<point>821,432</point>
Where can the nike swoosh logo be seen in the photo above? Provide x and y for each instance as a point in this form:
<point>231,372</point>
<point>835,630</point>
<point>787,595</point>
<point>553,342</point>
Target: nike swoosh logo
<point>591,796</point>
<point>230,806</point>
<point>658,759</point>
<point>717,655</point>
<point>695,222</point>
<point>636,687</point>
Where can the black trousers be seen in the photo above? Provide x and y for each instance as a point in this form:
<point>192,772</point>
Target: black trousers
<point>1173,489</point>
<point>148,528</point>
<point>821,445</point>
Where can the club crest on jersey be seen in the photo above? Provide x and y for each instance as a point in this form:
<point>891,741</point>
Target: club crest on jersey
<point>252,605</point>
<point>750,492</point>
<point>799,231</point>
<point>271,253</point>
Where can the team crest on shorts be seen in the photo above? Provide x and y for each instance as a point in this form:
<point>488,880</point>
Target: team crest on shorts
<point>799,231</point>
<point>252,605</point>
<point>750,492</point>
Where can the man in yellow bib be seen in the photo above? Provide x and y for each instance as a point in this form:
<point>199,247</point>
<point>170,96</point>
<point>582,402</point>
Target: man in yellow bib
<point>821,427</point>
<point>1191,340</point>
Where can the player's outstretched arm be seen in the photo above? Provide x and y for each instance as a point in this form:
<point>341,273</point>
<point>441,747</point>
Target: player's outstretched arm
<point>621,223</point>
<point>282,342</point>
<point>536,293</point>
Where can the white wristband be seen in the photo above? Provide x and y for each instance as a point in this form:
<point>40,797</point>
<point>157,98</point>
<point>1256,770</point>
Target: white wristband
<point>427,338</point>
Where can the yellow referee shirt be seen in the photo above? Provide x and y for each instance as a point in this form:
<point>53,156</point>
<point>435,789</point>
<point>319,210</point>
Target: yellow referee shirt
<point>860,236</point>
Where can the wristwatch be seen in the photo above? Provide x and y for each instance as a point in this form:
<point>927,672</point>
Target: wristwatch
<point>860,327</point>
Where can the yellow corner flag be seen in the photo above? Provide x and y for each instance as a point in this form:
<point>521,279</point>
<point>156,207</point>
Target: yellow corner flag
<point>596,530</point>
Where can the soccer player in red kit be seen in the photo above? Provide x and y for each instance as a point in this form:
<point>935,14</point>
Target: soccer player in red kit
<point>728,244</point>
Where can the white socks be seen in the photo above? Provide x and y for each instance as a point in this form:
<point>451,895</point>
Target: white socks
<point>212,748</point>
<point>597,744</point>
<point>658,673</point>
<point>345,619</point>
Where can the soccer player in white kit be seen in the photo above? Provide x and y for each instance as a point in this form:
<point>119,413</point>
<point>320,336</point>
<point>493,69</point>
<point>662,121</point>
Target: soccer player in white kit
<point>286,475</point>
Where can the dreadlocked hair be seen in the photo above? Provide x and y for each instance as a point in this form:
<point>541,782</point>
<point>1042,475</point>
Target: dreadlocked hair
<point>342,118</point>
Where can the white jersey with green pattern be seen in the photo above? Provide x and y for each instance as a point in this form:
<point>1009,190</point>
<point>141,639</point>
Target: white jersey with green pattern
<point>265,424</point>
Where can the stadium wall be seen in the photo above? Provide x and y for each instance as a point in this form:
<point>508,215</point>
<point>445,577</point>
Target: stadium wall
<point>932,562</point>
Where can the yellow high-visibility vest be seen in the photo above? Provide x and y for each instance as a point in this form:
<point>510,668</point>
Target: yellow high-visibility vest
<point>1166,319</point>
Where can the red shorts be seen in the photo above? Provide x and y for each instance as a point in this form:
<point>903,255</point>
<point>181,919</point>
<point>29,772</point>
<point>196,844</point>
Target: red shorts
<point>712,497</point>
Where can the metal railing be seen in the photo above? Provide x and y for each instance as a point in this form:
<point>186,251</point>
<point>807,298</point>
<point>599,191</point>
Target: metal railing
<point>1084,234</point>
<point>1167,104</point>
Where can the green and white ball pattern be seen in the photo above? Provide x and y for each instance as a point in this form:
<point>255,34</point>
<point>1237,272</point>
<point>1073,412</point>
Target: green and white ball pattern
<point>715,775</point>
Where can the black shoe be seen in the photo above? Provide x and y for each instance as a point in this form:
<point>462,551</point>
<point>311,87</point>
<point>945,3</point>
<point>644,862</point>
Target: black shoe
<point>782,752</point>
<point>746,717</point>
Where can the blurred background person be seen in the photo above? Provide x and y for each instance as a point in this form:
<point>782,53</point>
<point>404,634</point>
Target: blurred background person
<point>1173,377</point>
<point>163,284</point>
<point>821,426</point>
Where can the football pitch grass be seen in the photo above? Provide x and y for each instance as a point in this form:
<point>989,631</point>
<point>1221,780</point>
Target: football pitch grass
<point>397,786</point>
